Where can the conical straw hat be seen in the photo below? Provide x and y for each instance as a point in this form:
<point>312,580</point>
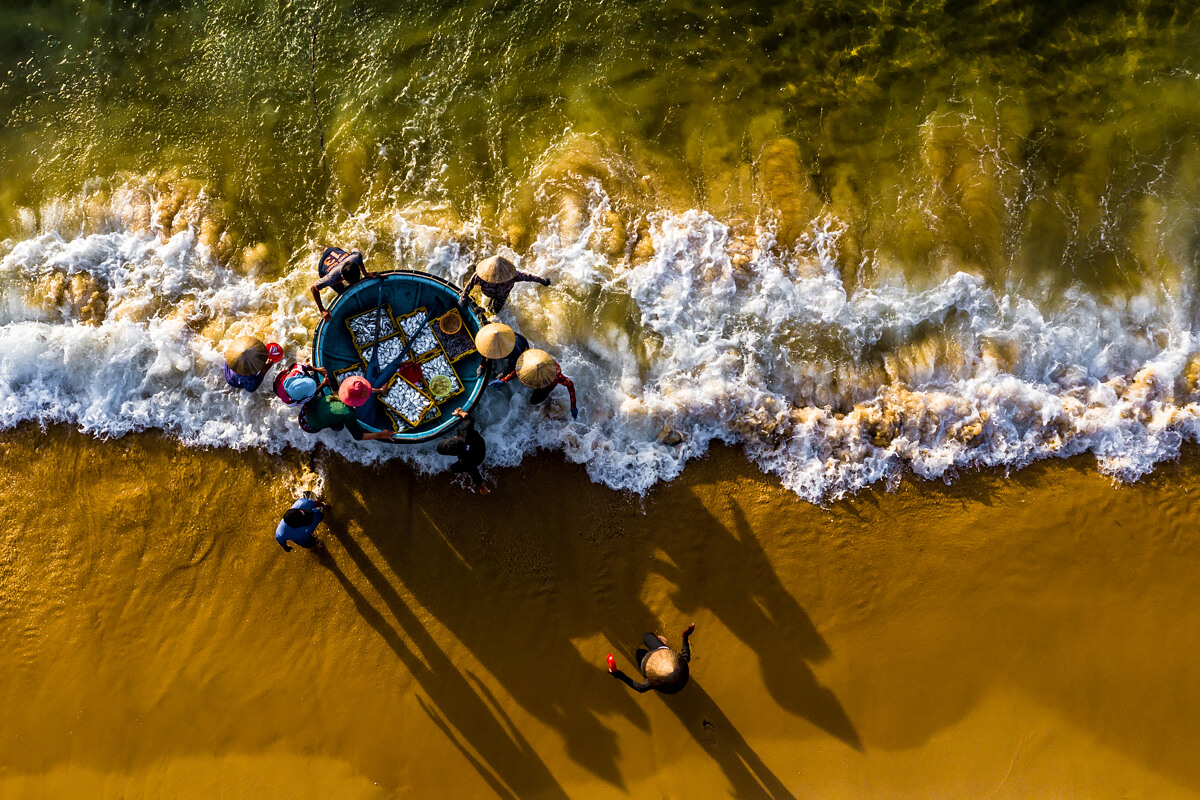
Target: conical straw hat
<point>246,355</point>
<point>496,270</point>
<point>536,369</point>
<point>665,666</point>
<point>495,340</point>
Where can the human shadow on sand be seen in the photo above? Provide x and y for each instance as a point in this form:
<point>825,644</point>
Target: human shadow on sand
<point>484,587</point>
<point>486,567</point>
<point>707,723</point>
<point>512,768</point>
<point>724,569</point>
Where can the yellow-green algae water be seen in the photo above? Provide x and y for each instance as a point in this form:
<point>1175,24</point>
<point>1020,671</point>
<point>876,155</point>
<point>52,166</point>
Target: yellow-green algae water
<point>855,239</point>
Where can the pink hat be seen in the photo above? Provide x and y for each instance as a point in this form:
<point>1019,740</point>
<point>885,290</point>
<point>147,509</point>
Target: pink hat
<point>354,391</point>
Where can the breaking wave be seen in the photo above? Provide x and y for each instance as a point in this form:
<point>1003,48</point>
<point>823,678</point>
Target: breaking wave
<point>707,335</point>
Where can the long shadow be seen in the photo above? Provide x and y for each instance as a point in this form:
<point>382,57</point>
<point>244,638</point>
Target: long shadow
<point>509,764</point>
<point>458,576</point>
<point>753,603</point>
<point>579,570</point>
<point>707,723</point>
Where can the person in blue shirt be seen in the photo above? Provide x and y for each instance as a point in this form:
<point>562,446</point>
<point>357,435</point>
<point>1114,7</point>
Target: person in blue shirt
<point>299,522</point>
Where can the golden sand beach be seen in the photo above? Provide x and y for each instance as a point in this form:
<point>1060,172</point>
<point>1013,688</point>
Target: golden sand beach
<point>1029,635</point>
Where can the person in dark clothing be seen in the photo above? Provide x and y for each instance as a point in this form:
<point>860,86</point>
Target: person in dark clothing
<point>470,449</point>
<point>495,277</point>
<point>338,270</point>
<point>537,370</point>
<point>665,670</point>
<point>500,347</point>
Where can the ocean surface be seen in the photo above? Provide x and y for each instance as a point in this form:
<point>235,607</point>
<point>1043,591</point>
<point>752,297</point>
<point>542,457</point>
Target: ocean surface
<point>855,239</point>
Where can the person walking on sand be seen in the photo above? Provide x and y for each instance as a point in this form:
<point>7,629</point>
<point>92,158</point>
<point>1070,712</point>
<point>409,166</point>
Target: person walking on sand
<point>299,522</point>
<point>665,670</point>
<point>338,270</point>
<point>495,277</point>
<point>470,449</point>
<point>540,372</point>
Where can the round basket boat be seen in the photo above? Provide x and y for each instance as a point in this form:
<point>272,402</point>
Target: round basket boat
<point>387,331</point>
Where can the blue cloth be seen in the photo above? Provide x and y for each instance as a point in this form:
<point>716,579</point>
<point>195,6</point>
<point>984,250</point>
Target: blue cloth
<point>285,533</point>
<point>248,382</point>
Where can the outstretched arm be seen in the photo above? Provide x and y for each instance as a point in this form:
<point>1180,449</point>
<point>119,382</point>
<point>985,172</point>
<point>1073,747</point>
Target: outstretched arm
<point>525,276</point>
<point>316,293</point>
<point>462,296</point>
<point>643,686</point>
<point>686,652</point>
<point>567,382</point>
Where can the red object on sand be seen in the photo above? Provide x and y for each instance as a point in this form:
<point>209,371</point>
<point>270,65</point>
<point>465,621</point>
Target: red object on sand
<point>612,663</point>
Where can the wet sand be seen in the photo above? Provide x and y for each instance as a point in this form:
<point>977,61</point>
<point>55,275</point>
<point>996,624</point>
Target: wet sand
<point>1028,635</point>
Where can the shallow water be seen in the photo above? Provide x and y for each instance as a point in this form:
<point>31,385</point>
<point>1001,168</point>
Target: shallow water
<point>854,239</point>
<point>1007,636</point>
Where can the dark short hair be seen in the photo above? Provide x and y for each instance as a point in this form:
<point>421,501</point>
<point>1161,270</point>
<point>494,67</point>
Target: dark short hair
<point>297,518</point>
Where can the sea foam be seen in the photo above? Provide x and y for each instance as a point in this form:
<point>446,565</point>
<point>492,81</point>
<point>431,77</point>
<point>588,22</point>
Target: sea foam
<point>121,331</point>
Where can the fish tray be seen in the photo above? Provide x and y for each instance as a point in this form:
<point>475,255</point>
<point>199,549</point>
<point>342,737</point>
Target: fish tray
<point>362,326</point>
<point>456,345</point>
<point>438,363</point>
<point>426,341</point>
<point>389,350</point>
<point>406,402</point>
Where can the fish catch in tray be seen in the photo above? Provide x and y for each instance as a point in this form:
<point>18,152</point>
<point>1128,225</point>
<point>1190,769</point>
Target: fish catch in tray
<point>406,401</point>
<point>440,365</point>
<point>362,326</point>
<point>389,349</point>
<point>426,341</point>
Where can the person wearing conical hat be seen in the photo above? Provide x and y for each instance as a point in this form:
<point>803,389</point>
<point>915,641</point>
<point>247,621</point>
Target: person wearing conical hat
<point>500,347</point>
<point>540,372</point>
<point>495,277</point>
<point>247,360</point>
<point>665,670</point>
<point>338,270</point>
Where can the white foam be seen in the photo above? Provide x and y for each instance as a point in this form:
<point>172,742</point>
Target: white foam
<point>828,391</point>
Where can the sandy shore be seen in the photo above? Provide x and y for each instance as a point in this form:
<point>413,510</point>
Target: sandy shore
<point>1029,635</point>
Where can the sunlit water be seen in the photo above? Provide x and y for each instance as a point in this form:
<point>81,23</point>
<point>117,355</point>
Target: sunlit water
<point>854,239</point>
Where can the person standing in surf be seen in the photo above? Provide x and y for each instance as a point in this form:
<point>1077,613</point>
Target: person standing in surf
<point>500,347</point>
<point>338,270</point>
<point>540,372</point>
<point>665,670</point>
<point>470,449</point>
<point>247,361</point>
<point>495,278</point>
